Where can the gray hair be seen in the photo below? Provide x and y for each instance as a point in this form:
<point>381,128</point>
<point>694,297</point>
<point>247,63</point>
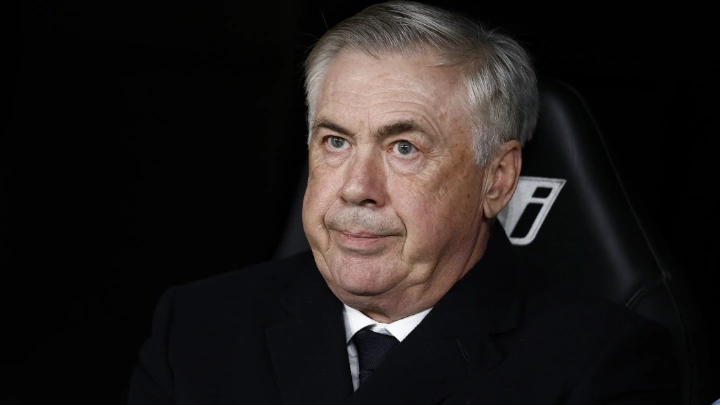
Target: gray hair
<point>501,84</point>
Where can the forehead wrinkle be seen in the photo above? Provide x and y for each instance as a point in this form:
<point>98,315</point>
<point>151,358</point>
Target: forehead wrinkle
<point>345,96</point>
<point>397,95</point>
<point>381,85</point>
<point>411,95</point>
<point>417,119</point>
<point>426,123</point>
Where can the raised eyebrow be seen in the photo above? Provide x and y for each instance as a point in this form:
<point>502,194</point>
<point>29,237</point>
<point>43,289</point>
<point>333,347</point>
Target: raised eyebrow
<point>399,127</point>
<point>394,128</point>
<point>327,124</point>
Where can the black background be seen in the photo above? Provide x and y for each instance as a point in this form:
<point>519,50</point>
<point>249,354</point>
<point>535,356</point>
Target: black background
<point>151,144</point>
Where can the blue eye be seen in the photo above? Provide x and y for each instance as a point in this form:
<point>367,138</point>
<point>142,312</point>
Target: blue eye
<point>404,147</point>
<point>336,142</point>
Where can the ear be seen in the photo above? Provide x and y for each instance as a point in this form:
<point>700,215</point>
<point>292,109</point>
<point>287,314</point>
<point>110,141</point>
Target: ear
<point>501,177</point>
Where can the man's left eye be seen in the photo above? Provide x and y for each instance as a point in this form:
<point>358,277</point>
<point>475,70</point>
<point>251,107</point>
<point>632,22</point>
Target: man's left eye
<point>336,142</point>
<point>404,147</point>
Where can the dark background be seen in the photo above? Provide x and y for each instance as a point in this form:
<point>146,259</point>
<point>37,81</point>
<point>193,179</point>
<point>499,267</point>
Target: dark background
<point>151,144</point>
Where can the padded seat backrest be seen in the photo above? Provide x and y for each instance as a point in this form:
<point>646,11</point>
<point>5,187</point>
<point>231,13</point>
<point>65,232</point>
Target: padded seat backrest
<point>573,215</point>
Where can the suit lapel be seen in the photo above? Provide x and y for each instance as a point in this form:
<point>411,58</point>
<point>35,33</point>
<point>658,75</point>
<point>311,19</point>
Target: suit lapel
<point>427,366</point>
<point>308,350</point>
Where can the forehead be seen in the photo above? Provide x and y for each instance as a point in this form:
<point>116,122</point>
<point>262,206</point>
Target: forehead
<point>357,84</point>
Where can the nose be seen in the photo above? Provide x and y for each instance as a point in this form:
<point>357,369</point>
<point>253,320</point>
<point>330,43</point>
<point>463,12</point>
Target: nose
<point>364,182</point>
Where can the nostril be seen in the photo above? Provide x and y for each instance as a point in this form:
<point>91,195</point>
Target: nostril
<point>368,201</point>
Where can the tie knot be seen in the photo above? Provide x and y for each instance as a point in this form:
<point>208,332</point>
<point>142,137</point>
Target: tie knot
<point>372,349</point>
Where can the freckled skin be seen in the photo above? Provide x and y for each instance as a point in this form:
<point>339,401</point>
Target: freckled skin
<point>392,225</point>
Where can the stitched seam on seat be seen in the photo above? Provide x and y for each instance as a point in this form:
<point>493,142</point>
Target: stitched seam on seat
<point>643,291</point>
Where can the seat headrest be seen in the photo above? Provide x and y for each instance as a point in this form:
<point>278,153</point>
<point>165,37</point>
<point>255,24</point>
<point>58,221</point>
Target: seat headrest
<point>571,212</point>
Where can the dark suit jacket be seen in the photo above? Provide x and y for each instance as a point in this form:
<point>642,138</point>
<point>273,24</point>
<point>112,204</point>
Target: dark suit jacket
<point>273,334</point>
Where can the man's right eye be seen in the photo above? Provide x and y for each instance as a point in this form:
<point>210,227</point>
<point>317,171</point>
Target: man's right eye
<point>336,142</point>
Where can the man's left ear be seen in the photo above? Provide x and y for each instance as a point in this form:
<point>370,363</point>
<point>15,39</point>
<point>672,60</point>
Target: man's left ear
<point>501,177</point>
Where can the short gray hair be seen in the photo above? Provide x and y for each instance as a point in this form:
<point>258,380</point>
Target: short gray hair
<point>501,83</point>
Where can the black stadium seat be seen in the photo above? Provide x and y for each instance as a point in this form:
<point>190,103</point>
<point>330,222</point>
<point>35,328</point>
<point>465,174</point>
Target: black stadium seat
<point>572,215</point>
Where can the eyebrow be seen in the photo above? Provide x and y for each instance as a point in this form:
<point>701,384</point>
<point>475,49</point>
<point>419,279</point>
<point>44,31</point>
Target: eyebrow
<point>395,128</point>
<point>327,124</point>
<point>399,127</point>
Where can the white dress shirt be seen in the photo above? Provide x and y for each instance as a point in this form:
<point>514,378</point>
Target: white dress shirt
<point>356,320</point>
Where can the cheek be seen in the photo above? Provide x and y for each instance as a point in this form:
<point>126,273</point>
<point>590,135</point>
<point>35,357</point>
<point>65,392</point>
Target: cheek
<point>312,217</point>
<point>320,194</point>
<point>420,208</point>
<point>434,209</point>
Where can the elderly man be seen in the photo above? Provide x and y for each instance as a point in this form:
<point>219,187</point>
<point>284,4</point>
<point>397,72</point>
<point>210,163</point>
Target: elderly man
<point>410,295</point>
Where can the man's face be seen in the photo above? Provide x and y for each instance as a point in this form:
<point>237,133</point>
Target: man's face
<point>392,210</point>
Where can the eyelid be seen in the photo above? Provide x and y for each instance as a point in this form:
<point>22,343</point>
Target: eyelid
<point>333,135</point>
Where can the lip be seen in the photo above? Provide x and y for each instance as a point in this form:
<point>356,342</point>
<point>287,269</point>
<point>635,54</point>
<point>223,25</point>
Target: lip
<point>361,242</point>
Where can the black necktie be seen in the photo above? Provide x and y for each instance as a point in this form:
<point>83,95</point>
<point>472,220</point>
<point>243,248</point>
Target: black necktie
<point>372,349</point>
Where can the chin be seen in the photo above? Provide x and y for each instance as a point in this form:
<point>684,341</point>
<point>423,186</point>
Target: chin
<point>364,288</point>
<point>362,276</point>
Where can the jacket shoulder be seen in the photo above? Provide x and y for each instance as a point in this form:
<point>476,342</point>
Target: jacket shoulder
<point>249,290</point>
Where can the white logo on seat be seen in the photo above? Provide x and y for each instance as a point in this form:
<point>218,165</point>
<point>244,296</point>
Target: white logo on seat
<point>527,210</point>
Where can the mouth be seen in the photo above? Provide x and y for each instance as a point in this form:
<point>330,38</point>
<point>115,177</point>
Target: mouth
<point>361,234</point>
<point>361,242</point>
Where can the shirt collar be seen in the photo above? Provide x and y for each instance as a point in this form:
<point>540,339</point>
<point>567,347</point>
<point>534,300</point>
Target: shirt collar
<point>356,320</point>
